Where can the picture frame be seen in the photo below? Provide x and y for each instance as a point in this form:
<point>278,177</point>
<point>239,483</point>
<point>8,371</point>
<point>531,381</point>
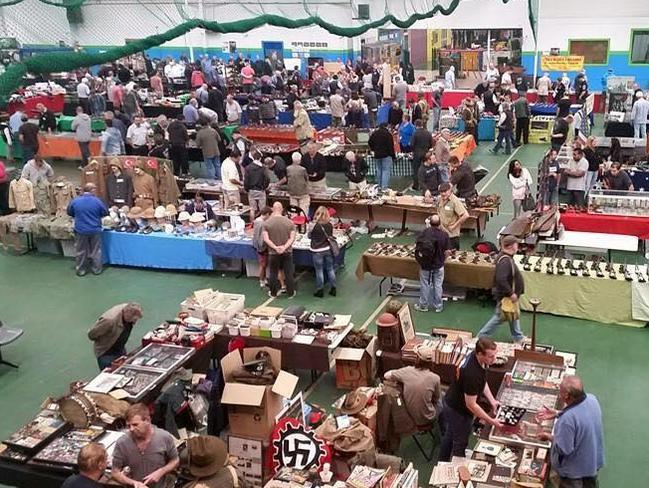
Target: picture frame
<point>405,321</point>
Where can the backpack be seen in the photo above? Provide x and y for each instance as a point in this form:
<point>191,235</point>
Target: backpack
<point>425,250</point>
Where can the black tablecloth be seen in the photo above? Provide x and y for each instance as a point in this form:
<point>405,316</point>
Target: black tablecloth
<point>618,129</point>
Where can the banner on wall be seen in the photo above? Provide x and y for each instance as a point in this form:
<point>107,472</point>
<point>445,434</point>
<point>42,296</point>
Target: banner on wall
<point>562,63</point>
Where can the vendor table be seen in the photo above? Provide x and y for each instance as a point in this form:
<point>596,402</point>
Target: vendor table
<point>29,476</point>
<point>153,110</point>
<point>243,249</point>
<point>54,103</point>
<point>601,300</point>
<point>316,356</point>
<point>486,127</point>
<point>618,129</point>
<point>156,250</point>
<point>593,241</point>
<point>611,224</point>
<point>465,275</point>
<point>64,146</point>
<point>550,108</point>
<point>319,120</point>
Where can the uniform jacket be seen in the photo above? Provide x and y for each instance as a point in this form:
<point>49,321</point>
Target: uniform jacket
<point>168,191</point>
<point>145,190</point>
<point>42,197</point>
<point>94,173</point>
<point>107,329</point>
<point>119,190</point>
<point>21,195</point>
<point>62,193</point>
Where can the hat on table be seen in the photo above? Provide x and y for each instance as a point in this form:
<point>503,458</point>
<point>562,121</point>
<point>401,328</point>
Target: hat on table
<point>135,213</point>
<point>160,212</point>
<point>184,216</point>
<point>148,213</point>
<point>355,401</point>
<point>197,217</point>
<point>170,210</point>
<point>207,455</point>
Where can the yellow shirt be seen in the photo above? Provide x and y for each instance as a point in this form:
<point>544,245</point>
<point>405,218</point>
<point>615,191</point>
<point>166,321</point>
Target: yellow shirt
<point>449,213</point>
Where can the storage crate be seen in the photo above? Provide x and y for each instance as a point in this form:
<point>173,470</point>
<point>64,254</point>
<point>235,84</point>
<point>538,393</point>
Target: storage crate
<point>223,308</point>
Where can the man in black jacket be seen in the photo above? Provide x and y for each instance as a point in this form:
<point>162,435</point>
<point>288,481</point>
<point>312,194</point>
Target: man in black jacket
<point>430,176</point>
<point>431,250</point>
<point>508,283</point>
<point>178,152</point>
<point>421,142</point>
<point>216,102</point>
<point>316,167</point>
<point>382,145</point>
<point>256,182</point>
<point>46,119</point>
<point>355,170</point>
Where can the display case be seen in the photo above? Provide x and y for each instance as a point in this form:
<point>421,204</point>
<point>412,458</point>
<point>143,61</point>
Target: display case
<point>614,202</point>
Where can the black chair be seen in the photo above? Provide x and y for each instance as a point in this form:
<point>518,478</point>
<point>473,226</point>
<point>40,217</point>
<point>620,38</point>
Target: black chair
<point>7,336</point>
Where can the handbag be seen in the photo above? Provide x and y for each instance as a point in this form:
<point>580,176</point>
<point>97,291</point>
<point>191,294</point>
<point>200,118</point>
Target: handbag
<point>529,203</point>
<point>333,243</point>
<point>510,310</point>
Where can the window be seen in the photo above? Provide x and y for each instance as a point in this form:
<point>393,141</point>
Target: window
<point>640,47</point>
<point>594,51</point>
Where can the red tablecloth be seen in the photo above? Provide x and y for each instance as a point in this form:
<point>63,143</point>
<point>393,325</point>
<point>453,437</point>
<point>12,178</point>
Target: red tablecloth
<point>53,102</point>
<point>607,224</point>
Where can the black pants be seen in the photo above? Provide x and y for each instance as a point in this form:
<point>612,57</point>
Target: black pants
<point>522,127</point>
<point>85,151</point>
<point>457,429</point>
<point>472,130</point>
<point>285,261</point>
<point>179,156</point>
<point>85,105</point>
<point>87,248</point>
<point>576,198</point>
<point>416,163</point>
<point>139,150</point>
<point>4,198</point>
<point>589,482</point>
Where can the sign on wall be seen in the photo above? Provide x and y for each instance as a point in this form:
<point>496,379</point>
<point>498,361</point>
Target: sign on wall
<point>562,63</point>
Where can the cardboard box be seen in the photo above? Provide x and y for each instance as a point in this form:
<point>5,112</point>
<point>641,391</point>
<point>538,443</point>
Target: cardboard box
<point>355,367</point>
<point>252,408</point>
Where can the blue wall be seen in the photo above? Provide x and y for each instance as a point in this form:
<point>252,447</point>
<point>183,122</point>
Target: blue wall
<point>618,61</point>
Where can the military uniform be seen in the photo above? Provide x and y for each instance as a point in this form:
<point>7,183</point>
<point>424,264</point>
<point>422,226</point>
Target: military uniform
<point>168,191</point>
<point>145,191</point>
<point>93,172</point>
<point>21,195</point>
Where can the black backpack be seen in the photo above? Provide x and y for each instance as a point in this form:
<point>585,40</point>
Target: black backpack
<point>425,250</point>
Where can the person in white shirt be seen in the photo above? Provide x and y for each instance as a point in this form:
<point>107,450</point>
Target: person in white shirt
<point>209,114</point>
<point>337,105</point>
<point>230,178</point>
<point>449,78</point>
<point>543,87</point>
<point>232,110</point>
<point>639,115</point>
<point>576,177</point>
<point>521,181</point>
<point>83,93</point>
<point>136,136</point>
<point>506,78</point>
<point>492,73</point>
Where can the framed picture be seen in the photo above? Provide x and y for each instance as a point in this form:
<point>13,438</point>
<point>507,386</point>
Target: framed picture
<point>405,319</point>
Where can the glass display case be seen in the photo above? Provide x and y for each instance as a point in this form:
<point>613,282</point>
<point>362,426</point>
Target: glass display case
<point>614,202</point>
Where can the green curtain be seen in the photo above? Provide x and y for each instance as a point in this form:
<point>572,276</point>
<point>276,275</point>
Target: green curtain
<point>55,62</point>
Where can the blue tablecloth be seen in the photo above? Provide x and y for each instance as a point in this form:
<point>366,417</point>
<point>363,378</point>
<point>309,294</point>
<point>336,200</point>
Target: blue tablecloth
<point>550,108</point>
<point>640,180</point>
<point>486,128</point>
<point>156,250</point>
<point>242,249</point>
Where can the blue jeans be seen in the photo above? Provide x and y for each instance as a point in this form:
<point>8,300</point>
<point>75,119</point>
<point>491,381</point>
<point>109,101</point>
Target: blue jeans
<point>490,327</point>
<point>640,130</point>
<point>213,166</point>
<point>324,261</point>
<point>430,286</point>
<point>383,171</point>
<point>104,361</point>
<point>552,196</point>
<point>506,135</point>
<point>591,179</point>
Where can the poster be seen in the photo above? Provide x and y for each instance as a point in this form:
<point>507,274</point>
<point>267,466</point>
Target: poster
<point>562,63</point>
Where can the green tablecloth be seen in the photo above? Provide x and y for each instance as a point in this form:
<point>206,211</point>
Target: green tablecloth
<point>64,123</point>
<point>597,299</point>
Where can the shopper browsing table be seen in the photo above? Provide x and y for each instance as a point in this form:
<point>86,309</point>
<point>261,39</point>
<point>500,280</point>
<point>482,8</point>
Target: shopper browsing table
<point>355,170</point>
<point>149,453</point>
<point>462,177</point>
<point>576,177</point>
<point>430,176</point>
<point>382,145</point>
<point>316,167</point>
<point>256,182</point>
<point>617,179</point>
<point>92,461</point>
<point>422,394</point>
<point>279,235</point>
<point>421,143</point>
<point>461,401</point>
<point>297,182</point>
<point>431,250</point>
<point>452,214</point>
<point>577,452</point>
<point>36,170</point>
<point>323,258</point>
<point>560,131</point>
<point>508,287</point>
<point>112,331</point>
<point>231,180</point>
<point>87,210</point>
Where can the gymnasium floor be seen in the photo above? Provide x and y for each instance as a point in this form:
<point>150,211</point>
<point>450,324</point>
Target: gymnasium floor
<point>42,295</point>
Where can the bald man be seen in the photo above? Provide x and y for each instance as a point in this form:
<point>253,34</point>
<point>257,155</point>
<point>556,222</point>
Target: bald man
<point>87,210</point>
<point>432,247</point>
<point>355,171</point>
<point>279,235</point>
<point>577,452</point>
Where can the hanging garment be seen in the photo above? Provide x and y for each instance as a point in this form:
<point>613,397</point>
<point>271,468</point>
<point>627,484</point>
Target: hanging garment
<point>61,192</point>
<point>119,190</point>
<point>42,197</point>
<point>93,172</point>
<point>21,195</point>
<point>145,191</point>
<point>168,191</point>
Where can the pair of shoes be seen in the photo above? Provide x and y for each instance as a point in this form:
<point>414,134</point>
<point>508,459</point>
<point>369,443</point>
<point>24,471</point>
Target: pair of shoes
<point>332,292</point>
<point>522,341</point>
<point>419,308</point>
<point>439,310</point>
<point>319,293</point>
<point>270,294</point>
<point>282,290</point>
<point>98,272</point>
<point>82,272</point>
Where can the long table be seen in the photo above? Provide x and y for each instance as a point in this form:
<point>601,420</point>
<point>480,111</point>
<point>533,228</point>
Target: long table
<point>593,241</point>
<point>609,224</point>
<point>466,275</point>
<point>64,146</point>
